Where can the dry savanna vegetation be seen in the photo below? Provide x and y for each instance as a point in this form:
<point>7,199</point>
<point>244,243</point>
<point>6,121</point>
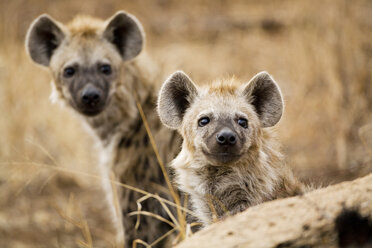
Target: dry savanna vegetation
<point>320,53</point>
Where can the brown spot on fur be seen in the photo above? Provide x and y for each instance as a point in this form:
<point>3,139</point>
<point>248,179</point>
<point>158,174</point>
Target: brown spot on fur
<point>146,140</point>
<point>305,227</point>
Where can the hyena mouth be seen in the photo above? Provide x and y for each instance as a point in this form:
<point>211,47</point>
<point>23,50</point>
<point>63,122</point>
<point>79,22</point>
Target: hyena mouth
<point>91,111</point>
<point>222,157</point>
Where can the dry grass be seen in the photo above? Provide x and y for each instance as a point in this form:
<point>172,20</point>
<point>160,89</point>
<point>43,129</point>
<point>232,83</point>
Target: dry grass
<point>320,52</point>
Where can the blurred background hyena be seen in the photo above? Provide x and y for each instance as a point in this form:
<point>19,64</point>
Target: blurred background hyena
<point>320,52</point>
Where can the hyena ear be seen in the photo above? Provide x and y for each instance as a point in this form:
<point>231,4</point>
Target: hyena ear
<point>176,95</point>
<point>43,37</point>
<point>126,33</point>
<point>264,94</point>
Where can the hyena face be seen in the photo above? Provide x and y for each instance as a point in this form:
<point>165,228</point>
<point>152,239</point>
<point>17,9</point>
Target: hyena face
<point>85,56</point>
<point>221,122</point>
<point>217,127</point>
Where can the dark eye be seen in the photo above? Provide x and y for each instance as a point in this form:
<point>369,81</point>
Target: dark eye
<point>105,69</point>
<point>243,122</point>
<point>203,121</point>
<point>68,72</point>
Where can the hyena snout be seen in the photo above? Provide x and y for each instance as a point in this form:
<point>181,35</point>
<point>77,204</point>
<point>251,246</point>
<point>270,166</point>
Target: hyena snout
<point>224,146</point>
<point>91,96</point>
<point>226,137</point>
<point>91,100</point>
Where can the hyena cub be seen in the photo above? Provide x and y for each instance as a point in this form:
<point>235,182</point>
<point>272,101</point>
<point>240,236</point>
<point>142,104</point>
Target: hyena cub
<point>97,71</point>
<point>229,160</point>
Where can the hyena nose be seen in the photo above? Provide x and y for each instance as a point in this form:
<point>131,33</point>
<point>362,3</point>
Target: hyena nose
<point>226,137</point>
<point>91,96</point>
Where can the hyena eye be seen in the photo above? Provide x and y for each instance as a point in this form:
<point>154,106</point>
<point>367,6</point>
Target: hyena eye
<point>68,72</point>
<point>243,122</point>
<point>105,69</point>
<point>203,121</point>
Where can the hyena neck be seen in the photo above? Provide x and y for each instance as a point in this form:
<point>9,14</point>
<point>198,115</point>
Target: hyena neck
<point>262,167</point>
<point>121,115</point>
<point>259,176</point>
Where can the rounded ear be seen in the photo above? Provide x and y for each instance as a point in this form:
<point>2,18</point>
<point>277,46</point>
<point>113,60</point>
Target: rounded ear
<point>43,37</point>
<point>125,32</point>
<point>265,95</point>
<point>175,97</point>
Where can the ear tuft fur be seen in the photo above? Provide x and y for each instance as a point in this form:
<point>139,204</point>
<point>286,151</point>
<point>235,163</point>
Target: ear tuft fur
<point>265,95</point>
<point>175,97</point>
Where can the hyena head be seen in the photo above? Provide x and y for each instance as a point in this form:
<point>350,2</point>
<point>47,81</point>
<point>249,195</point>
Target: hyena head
<point>85,56</point>
<point>220,123</point>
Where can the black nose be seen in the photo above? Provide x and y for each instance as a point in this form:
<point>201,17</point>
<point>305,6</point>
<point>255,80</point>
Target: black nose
<point>226,137</point>
<point>91,96</point>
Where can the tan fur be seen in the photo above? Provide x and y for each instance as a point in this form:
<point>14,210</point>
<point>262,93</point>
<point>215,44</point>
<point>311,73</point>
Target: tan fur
<point>84,44</point>
<point>259,174</point>
<point>83,24</point>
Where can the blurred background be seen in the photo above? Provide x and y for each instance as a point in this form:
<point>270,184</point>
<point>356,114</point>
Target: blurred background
<point>320,53</point>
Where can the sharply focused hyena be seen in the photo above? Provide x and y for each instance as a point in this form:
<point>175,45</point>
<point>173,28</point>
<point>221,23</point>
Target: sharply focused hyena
<point>229,160</point>
<point>94,72</point>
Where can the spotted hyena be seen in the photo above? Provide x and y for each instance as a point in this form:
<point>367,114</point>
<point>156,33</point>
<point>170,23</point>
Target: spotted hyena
<point>229,159</point>
<point>97,72</point>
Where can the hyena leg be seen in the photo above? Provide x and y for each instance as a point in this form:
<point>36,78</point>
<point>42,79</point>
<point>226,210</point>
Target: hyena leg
<point>118,218</point>
<point>110,190</point>
<point>231,201</point>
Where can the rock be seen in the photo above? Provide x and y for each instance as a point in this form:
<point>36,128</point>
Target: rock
<point>303,221</point>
